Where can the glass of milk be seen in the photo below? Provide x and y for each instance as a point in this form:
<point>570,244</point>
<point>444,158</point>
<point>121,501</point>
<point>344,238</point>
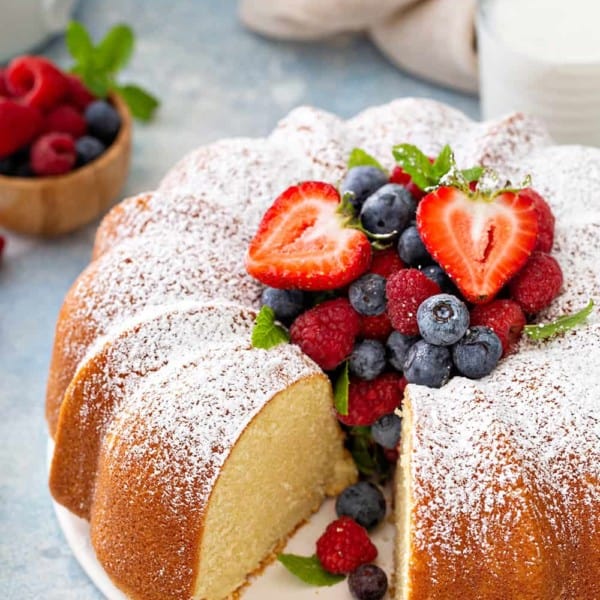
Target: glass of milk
<point>542,57</point>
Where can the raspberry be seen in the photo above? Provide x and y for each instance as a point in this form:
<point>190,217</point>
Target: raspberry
<point>405,290</point>
<point>537,283</point>
<point>78,95</point>
<point>344,546</point>
<point>19,126</point>
<point>545,236</point>
<point>53,154</point>
<point>375,327</point>
<point>504,317</point>
<point>3,86</point>
<point>385,263</point>
<point>36,81</point>
<point>327,332</point>
<point>370,400</point>
<point>65,119</point>
<point>399,176</point>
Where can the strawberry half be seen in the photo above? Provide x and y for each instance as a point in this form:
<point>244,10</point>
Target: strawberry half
<point>302,243</point>
<point>480,240</point>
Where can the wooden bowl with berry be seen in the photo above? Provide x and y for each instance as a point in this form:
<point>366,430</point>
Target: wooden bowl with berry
<point>64,153</point>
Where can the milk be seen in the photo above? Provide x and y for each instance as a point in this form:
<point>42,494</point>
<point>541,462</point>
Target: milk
<point>543,57</point>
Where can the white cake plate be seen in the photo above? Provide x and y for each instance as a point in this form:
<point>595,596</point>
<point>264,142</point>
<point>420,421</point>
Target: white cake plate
<point>274,583</point>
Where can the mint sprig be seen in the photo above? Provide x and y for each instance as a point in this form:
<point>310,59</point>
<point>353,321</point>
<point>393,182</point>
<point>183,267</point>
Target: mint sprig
<point>266,333</point>
<point>543,331</point>
<point>308,569</point>
<point>360,158</point>
<point>340,392</point>
<point>426,174</point>
<point>98,66</point>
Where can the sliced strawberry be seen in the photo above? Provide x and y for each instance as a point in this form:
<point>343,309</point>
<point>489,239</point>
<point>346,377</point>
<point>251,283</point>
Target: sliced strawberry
<point>301,242</point>
<point>479,240</point>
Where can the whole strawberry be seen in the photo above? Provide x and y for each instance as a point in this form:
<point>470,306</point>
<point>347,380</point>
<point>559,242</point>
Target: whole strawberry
<point>327,332</point>
<point>344,546</point>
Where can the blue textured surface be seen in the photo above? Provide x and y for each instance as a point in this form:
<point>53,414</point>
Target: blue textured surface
<point>215,80</point>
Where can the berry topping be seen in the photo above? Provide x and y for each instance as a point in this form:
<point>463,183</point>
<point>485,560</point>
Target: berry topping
<point>327,332</point>
<point>368,582</point>
<point>37,82</point>
<point>361,182</point>
<point>478,353</point>
<point>400,177</point>
<point>504,317</point>
<point>386,430</point>
<point>19,125</point>
<point>443,319</point>
<point>437,274</point>
<point>286,304</point>
<point>427,364</point>
<point>545,236</point>
<point>405,290</point>
<point>537,283</point>
<point>103,121</point>
<point>4,92</point>
<point>411,248</point>
<point>367,360</point>
<point>385,262</point>
<point>78,95</point>
<point>363,502</point>
<point>376,327</point>
<point>53,154</point>
<point>389,210</point>
<point>88,148</point>
<point>367,294</point>
<point>397,346</point>
<point>344,546</point>
<point>481,241</point>
<point>302,243</point>
<point>369,400</point>
<point>65,119</point>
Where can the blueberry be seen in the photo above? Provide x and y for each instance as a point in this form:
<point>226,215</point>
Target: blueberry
<point>443,319</point>
<point>367,360</point>
<point>362,182</point>
<point>386,430</point>
<point>477,353</point>
<point>367,294</point>
<point>286,304</point>
<point>363,502</point>
<point>368,582</point>
<point>411,248</point>
<point>427,364</point>
<point>7,166</point>
<point>397,346</point>
<point>103,121</point>
<point>388,210</point>
<point>439,276</point>
<point>88,148</point>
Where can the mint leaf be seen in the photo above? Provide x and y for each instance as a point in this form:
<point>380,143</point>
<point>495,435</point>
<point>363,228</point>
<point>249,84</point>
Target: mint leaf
<point>141,103</point>
<point>98,83</point>
<point>443,163</point>
<point>565,322</point>
<point>115,49</point>
<point>266,333</point>
<point>472,174</point>
<point>415,163</point>
<point>78,42</point>
<point>308,569</point>
<point>359,158</point>
<point>340,392</point>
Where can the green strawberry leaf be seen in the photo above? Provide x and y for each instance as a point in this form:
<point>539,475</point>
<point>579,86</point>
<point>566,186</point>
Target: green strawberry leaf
<point>115,49</point>
<point>340,392</point>
<point>79,43</point>
<point>360,158</point>
<point>141,103</point>
<point>563,323</point>
<point>308,569</point>
<point>266,333</point>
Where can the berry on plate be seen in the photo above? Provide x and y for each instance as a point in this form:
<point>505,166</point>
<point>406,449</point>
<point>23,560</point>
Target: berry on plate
<point>344,546</point>
<point>363,502</point>
<point>481,240</point>
<point>428,365</point>
<point>19,125</point>
<point>477,353</point>
<point>368,582</point>
<point>302,243</point>
<point>367,294</point>
<point>53,154</point>
<point>443,319</point>
<point>361,182</point>
<point>504,317</point>
<point>411,248</point>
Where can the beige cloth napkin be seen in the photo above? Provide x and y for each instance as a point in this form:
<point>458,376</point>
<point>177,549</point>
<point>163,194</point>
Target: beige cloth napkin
<point>434,39</point>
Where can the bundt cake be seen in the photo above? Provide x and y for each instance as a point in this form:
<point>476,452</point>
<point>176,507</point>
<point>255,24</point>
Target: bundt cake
<point>194,455</point>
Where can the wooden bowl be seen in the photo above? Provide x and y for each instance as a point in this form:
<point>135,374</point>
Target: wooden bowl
<point>49,206</point>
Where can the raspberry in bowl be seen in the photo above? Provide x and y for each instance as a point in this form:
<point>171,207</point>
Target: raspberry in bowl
<point>62,160</point>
